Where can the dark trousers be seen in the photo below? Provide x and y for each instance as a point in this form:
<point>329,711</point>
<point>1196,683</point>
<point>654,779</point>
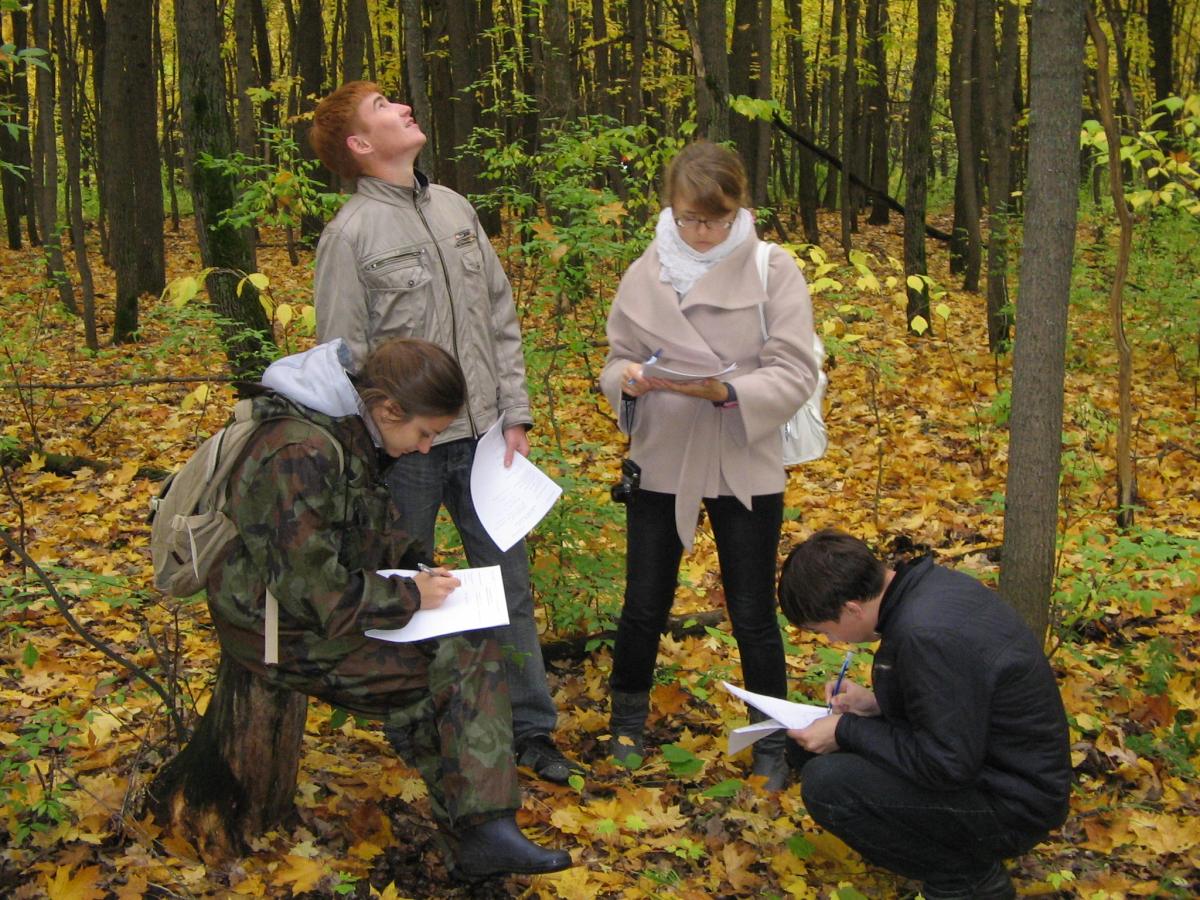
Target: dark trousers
<point>947,839</point>
<point>747,546</point>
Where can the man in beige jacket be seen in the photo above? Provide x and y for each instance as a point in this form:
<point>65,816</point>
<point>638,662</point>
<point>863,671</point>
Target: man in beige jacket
<point>407,258</point>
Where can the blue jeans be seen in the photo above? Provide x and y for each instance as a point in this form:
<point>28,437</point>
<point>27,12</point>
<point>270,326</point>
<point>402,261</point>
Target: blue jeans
<point>948,839</point>
<point>420,485</point>
<point>747,546</point>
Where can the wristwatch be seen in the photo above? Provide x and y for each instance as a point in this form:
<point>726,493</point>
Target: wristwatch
<point>729,402</point>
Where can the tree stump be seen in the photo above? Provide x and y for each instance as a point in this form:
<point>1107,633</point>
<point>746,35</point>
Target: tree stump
<point>236,777</point>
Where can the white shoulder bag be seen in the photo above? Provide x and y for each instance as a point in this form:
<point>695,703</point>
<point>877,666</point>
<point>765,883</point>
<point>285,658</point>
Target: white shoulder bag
<point>804,435</point>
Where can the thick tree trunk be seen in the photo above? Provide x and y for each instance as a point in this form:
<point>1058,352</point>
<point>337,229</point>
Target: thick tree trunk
<point>556,99</point>
<point>415,69</point>
<point>464,70</point>
<point>833,106</point>
<point>706,27</point>
<point>1160,15</point>
<point>1035,443</point>
<point>207,129</point>
<point>636,10</point>
<point>354,43</point>
<point>236,778</point>
<point>129,132</point>
<point>916,155</point>
<point>246,76</point>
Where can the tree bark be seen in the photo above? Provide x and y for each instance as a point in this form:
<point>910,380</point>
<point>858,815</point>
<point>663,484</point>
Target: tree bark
<point>464,70</point>
<point>806,175</point>
<point>207,129</point>
<point>877,109</point>
<point>68,80</point>
<point>850,132</point>
<point>1035,443</point>
<point>129,132</point>
<point>46,165</point>
<point>246,76</point>
<point>1126,476</point>
<point>916,155</point>
<point>415,69</point>
<point>636,10</point>
<point>706,23</point>
<point>966,206</point>
<point>997,76</point>
<point>236,777</point>
<point>1160,15</point>
<point>354,43</point>
<point>833,106</point>
<point>556,99</point>
<point>19,197</point>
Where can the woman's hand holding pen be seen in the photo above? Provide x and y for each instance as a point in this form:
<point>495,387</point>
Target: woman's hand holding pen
<point>632,382</point>
<point>434,585</point>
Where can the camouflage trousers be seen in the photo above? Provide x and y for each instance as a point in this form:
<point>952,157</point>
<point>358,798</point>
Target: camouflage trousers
<point>446,712</point>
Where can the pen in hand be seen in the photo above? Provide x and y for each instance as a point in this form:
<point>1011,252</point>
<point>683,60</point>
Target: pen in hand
<point>837,685</point>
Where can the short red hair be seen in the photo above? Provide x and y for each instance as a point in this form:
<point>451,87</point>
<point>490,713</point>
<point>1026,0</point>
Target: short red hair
<point>335,119</point>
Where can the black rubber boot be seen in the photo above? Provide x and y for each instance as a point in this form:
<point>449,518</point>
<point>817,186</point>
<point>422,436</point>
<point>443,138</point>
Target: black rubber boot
<point>626,725</point>
<point>770,757</point>
<point>497,847</point>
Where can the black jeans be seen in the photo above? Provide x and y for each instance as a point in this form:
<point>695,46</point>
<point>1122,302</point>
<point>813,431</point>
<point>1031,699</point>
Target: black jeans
<point>747,546</point>
<point>948,839</point>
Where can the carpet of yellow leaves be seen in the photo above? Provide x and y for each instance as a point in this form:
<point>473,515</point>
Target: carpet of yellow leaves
<point>913,451</point>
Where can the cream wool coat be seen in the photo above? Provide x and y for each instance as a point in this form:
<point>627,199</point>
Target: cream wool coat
<point>686,446</point>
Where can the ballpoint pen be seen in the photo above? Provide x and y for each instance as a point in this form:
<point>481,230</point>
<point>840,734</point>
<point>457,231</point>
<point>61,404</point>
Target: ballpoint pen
<point>837,685</point>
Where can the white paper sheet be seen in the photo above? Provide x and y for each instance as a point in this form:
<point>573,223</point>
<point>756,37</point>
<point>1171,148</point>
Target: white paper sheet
<point>657,370</point>
<point>509,501</point>
<point>477,603</point>
<point>783,713</point>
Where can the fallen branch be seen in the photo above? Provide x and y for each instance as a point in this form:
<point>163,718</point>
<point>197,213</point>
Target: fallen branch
<point>65,611</point>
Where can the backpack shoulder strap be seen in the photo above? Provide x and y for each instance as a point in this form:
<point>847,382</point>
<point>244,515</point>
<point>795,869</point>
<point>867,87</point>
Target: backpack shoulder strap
<point>762,256</point>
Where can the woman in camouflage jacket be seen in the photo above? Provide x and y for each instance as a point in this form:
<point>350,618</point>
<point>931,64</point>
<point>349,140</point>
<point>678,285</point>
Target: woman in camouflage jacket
<point>315,525</point>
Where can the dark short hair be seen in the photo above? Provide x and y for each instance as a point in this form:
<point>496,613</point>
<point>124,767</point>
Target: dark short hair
<point>709,176</point>
<point>821,575</point>
<point>335,119</point>
<point>419,377</point>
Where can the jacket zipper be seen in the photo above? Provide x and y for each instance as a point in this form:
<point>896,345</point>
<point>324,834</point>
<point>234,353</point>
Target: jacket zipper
<point>411,254</point>
<point>453,316</point>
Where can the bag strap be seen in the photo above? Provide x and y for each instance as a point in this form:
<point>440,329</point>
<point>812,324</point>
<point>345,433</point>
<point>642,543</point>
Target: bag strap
<point>763,259</point>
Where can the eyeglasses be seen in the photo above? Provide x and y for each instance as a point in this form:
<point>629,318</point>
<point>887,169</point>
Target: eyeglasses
<point>688,222</point>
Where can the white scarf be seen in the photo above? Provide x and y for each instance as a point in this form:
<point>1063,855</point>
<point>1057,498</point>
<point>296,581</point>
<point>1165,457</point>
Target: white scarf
<point>681,266</point>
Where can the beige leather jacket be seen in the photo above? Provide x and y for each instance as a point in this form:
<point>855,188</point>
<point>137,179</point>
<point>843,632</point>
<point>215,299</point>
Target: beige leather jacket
<point>414,262</point>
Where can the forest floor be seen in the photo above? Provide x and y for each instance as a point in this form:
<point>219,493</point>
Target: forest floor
<point>917,458</point>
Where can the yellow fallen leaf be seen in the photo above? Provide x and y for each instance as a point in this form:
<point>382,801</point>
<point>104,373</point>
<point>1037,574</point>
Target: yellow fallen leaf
<point>83,885</point>
<point>301,873</point>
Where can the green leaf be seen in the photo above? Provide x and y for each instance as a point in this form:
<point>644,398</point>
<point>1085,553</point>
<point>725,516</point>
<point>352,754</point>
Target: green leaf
<point>30,656</point>
<point>727,788</point>
<point>800,846</point>
<point>681,760</point>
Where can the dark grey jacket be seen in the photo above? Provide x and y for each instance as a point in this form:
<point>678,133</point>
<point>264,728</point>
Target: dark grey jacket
<point>414,262</point>
<point>968,699</point>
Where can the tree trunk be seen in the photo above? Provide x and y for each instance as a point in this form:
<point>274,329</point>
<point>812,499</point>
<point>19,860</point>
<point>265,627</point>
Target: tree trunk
<point>877,109</point>
<point>556,99</point>
<point>68,80</point>
<point>1052,192</point>
<point>916,155</point>
<point>464,70</point>
<point>169,113</point>
<point>1160,14</point>
<point>833,106</point>
<point>236,777</point>
<point>310,66</point>
<point>1126,476</point>
<point>207,129</point>
<point>129,132</point>
<point>741,75</point>
<point>997,75</point>
<point>262,39</point>
<point>850,132</point>
<point>246,76</point>
<point>14,146</point>
<point>636,10</point>
<point>415,69</point>
<point>805,164</point>
<point>966,205</point>
<point>354,43</point>
<point>760,162</point>
<point>706,28</point>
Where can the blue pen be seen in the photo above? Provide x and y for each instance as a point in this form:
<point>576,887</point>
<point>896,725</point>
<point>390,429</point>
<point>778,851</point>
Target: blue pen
<point>837,685</point>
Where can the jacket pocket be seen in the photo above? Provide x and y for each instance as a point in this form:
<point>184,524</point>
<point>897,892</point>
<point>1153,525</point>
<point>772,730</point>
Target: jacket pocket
<point>398,281</point>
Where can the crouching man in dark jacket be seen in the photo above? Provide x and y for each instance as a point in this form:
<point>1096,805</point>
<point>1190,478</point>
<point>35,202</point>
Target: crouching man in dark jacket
<point>958,758</point>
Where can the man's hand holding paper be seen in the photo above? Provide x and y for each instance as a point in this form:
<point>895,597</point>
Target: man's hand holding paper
<point>783,714</point>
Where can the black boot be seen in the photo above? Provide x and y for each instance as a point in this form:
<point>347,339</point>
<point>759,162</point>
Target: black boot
<point>770,757</point>
<point>497,847</point>
<point>626,724</point>
<point>994,884</point>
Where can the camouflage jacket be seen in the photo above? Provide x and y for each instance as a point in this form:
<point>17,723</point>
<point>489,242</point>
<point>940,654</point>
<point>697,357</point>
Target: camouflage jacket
<point>316,538</point>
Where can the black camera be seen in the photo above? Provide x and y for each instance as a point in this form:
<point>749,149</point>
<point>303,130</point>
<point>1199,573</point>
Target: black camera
<point>631,480</point>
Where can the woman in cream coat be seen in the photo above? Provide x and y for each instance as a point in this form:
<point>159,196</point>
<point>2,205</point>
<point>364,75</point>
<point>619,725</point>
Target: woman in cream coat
<point>692,300</point>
